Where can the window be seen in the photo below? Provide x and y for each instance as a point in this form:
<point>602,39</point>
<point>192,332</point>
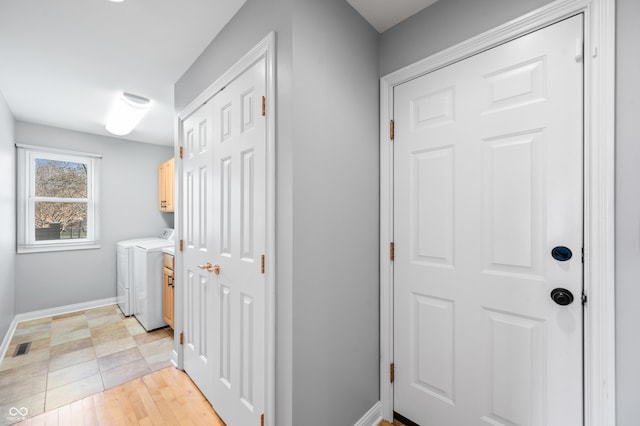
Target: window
<point>57,200</point>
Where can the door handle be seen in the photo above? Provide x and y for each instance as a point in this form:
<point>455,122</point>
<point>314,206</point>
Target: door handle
<point>211,268</point>
<point>208,266</point>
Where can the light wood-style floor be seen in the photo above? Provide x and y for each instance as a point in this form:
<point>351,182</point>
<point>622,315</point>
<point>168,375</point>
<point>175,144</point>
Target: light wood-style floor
<point>165,397</point>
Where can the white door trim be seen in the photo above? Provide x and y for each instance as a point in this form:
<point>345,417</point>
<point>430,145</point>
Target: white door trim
<point>264,49</point>
<point>599,161</point>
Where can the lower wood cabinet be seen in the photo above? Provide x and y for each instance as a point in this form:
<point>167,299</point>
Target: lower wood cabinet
<point>168,285</point>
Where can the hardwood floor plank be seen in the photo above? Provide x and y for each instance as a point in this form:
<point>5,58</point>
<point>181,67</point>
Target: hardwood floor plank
<point>164,397</point>
<point>89,412</point>
<point>64,415</point>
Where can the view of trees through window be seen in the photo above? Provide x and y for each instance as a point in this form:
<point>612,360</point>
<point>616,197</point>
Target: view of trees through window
<point>60,210</point>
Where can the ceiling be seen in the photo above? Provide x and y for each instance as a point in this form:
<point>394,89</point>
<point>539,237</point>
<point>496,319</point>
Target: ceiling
<point>384,14</point>
<point>62,63</point>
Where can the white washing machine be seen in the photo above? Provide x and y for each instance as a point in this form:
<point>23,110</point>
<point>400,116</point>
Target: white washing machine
<point>124,269</point>
<point>147,283</point>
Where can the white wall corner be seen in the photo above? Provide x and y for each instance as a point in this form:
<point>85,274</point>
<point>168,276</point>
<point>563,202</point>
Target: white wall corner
<point>373,417</point>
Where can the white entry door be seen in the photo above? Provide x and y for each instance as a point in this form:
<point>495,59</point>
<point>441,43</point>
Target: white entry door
<point>487,184</point>
<point>225,321</point>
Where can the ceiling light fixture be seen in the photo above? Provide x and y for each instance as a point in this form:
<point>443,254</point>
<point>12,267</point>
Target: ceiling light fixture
<point>127,113</point>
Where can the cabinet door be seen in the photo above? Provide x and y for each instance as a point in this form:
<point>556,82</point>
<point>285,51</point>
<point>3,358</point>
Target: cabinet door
<point>162,182</point>
<point>168,296</point>
<point>168,175</point>
<point>165,185</point>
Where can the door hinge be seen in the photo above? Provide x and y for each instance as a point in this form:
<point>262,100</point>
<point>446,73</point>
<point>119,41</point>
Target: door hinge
<point>182,338</point>
<point>264,105</point>
<point>392,129</point>
<point>261,419</point>
<point>584,298</point>
<point>262,264</point>
<point>392,372</point>
<point>392,251</point>
<point>180,152</point>
<point>181,244</point>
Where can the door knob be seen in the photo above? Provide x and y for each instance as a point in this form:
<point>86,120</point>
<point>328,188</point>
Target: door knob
<point>562,296</point>
<point>561,253</point>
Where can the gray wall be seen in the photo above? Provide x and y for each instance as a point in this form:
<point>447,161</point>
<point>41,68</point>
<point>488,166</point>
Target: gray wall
<point>444,24</point>
<point>335,221</point>
<point>129,199</point>
<point>327,200</point>
<point>449,22</point>
<point>627,212</point>
<point>7,218</point>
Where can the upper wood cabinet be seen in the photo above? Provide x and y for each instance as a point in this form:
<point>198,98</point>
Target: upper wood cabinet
<point>165,185</point>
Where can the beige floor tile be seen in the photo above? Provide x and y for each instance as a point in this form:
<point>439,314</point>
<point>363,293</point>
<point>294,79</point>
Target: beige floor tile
<point>117,359</point>
<point>125,373</point>
<point>100,312</point>
<point>106,319</point>
<point>18,374</point>
<point>70,337</point>
<point>151,336</point>
<point>163,345</point>
<point>33,356</point>
<point>30,406</point>
<point>116,328</point>
<point>114,346</point>
<point>72,358</point>
<point>68,315</point>
<point>44,334</point>
<point>35,345</point>
<point>73,346</point>
<point>69,325</point>
<point>32,329</point>
<point>72,373</point>
<point>159,361</point>
<point>27,324</point>
<point>23,388</point>
<point>135,329</point>
<point>73,391</point>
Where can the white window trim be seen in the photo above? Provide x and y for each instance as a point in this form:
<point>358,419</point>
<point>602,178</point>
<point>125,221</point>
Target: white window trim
<point>26,242</point>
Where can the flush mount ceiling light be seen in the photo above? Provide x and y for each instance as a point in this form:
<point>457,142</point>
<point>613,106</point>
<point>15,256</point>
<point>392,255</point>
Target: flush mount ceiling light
<point>127,113</point>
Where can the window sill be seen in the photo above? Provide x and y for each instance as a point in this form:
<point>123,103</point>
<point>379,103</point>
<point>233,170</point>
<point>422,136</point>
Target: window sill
<point>58,247</point>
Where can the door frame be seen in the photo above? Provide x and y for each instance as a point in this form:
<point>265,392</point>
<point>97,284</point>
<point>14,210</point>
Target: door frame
<point>598,169</point>
<point>264,49</point>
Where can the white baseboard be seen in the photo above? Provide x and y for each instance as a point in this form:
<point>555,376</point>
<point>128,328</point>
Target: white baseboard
<point>28,316</point>
<point>7,338</point>
<point>373,417</point>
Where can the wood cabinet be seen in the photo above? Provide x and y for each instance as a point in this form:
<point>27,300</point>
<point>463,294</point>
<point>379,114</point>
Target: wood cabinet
<point>165,185</point>
<point>168,284</point>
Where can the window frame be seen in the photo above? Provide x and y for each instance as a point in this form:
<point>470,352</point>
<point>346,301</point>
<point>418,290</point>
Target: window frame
<point>26,199</point>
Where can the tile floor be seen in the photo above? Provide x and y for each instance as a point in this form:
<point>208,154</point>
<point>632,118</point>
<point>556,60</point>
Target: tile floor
<point>76,355</point>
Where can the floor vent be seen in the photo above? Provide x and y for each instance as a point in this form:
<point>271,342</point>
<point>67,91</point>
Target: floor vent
<point>22,349</point>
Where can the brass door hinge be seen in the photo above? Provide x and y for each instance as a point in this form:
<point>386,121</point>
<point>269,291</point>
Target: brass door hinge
<point>264,105</point>
<point>392,372</point>
<point>262,264</point>
<point>182,338</point>
<point>180,152</point>
<point>392,129</point>
<point>262,420</point>
<point>181,245</point>
<point>392,251</point>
